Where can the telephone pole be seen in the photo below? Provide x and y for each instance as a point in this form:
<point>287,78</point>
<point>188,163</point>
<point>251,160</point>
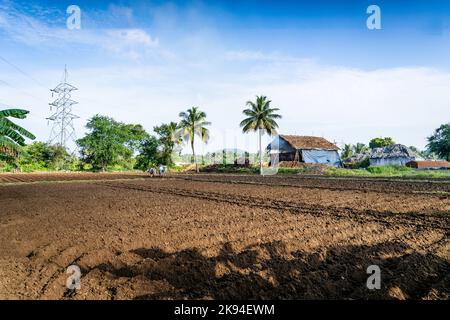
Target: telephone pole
<point>63,131</point>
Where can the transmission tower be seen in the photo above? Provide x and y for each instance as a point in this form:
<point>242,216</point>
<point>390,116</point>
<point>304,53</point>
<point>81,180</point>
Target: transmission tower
<point>63,130</point>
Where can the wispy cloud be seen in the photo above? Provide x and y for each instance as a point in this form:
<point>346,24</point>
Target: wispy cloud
<point>200,65</point>
<point>247,55</point>
<point>131,37</point>
<point>127,42</point>
<point>340,103</point>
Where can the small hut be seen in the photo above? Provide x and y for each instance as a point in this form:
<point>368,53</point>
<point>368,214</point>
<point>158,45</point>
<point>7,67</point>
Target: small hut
<point>396,154</point>
<point>305,149</point>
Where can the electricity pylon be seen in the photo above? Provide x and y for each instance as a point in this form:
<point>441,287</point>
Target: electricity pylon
<point>63,130</point>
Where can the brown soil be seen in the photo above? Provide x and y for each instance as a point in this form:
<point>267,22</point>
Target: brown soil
<point>222,237</point>
<point>66,176</point>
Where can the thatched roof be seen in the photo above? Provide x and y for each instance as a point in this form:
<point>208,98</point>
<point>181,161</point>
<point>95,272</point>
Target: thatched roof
<point>308,142</point>
<point>357,157</point>
<point>393,151</point>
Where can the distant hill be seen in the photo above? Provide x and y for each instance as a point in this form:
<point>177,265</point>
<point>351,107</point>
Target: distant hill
<point>215,157</point>
<point>229,151</point>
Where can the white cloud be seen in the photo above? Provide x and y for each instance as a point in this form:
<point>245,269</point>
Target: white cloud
<point>128,42</point>
<point>341,104</point>
<point>246,55</point>
<point>120,13</point>
<point>337,102</point>
<point>133,37</point>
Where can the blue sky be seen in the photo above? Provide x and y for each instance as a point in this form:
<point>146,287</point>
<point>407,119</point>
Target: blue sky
<point>145,61</point>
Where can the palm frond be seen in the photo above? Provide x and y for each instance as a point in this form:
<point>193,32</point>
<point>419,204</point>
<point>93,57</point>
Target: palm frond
<point>16,137</point>
<point>246,121</point>
<point>12,136</point>
<point>15,113</point>
<point>260,116</point>
<point>5,122</point>
<point>193,123</point>
<point>205,135</point>
<point>251,125</point>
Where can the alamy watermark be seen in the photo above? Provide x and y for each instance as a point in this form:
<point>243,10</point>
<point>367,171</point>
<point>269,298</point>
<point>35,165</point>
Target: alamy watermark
<point>73,22</point>
<point>374,280</point>
<point>374,20</point>
<point>73,282</point>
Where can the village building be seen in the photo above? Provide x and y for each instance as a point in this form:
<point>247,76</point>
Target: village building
<point>429,164</point>
<point>396,154</point>
<point>304,149</point>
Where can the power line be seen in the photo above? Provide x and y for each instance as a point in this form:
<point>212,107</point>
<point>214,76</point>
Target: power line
<point>21,91</point>
<point>6,105</point>
<point>23,72</point>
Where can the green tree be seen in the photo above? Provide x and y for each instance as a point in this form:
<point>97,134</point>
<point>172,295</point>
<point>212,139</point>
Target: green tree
<point>133,134</point>
<point>260,117</point>
<point>58,158</point>
<point>41,155</point>
<point>33,155</point>
<point>381,142</point>
<point>347,151</point>
<point>425,154</point>
<point>148,153</point>
<point>12,136</point>
<point>439,142</point>
<point>109,142</point>
<point>167,141</point>
<point>360,148</point>
<point>193,122</point>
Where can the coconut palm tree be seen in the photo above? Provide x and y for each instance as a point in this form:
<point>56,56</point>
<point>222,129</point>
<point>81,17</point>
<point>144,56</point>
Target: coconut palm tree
<point>12,136</point>
<point>260,117</point>
<point>347,151</point>
<point>193,122</point>
<point>360,148</point>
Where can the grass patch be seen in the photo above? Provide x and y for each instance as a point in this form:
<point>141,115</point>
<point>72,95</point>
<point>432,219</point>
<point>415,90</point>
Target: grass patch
<point>282,170</point>
<point>388,171</point>
<point>229,168</point>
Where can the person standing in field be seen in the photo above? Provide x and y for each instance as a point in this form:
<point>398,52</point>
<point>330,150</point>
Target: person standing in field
<point>152,171</point>
<point>162,169</point>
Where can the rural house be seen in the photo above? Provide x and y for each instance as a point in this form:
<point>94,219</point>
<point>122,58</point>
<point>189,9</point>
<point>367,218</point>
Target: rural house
<point>305,149</point>
<point>396,154</point>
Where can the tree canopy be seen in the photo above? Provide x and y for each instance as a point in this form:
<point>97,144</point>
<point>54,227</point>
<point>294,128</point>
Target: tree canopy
<point>439,142</point>
<point>347,151</point>
<point>149,155</point>
<point>41,155</point>
<point>193,123</point>
<point>260,116</point>
<point>168,141</point>
<point>381,142</point>
<point>109,141</point>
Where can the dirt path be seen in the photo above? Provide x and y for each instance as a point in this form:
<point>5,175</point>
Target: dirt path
<point>220,237</point>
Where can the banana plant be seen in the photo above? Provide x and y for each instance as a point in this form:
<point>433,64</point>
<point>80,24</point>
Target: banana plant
<point>12,136</point>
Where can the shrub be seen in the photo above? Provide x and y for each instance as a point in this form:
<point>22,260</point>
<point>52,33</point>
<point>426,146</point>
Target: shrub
<point>359,164</point>
<point>389,170</point>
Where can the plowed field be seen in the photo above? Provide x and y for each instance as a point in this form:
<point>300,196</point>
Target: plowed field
<point>222,236</point>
